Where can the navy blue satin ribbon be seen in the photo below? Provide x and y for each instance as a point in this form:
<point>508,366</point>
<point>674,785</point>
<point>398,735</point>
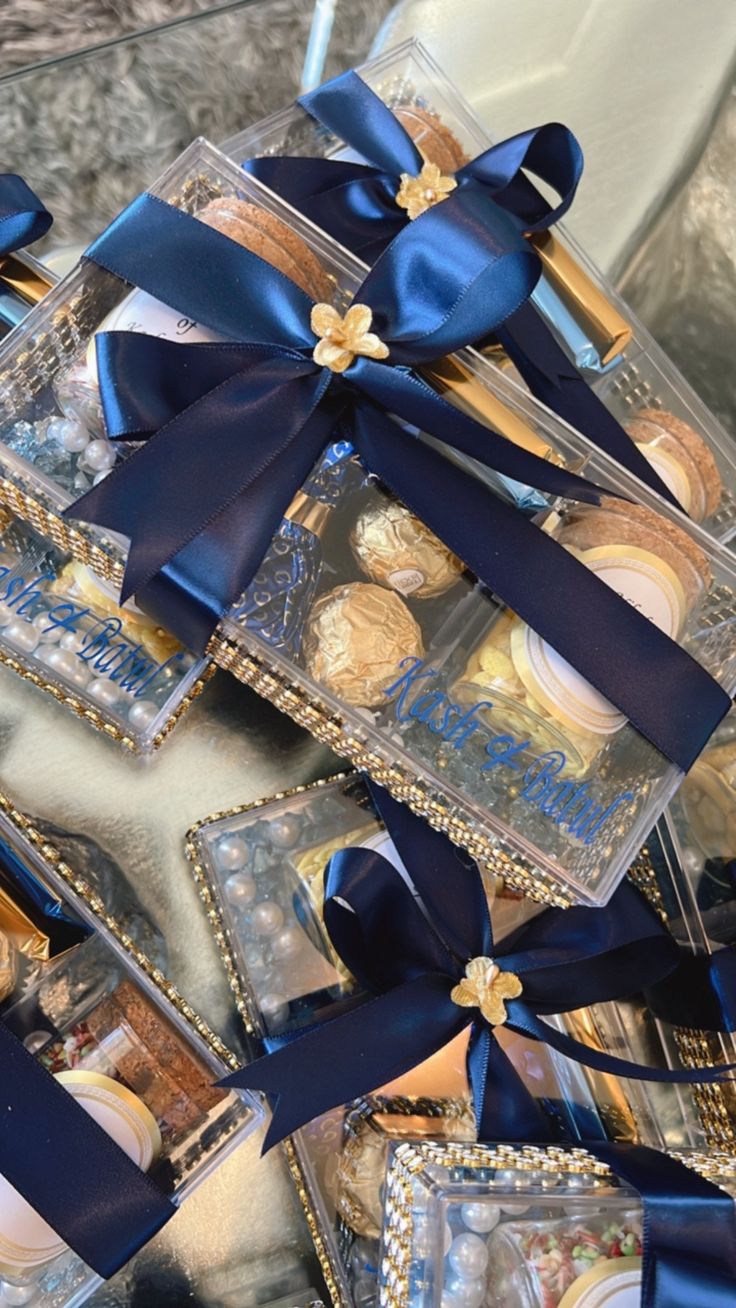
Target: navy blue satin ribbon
<point>689,1231</point>
<point>68,1169</point>
<point>237,428</point>
<point>408,960</point>
<point>23,219</point>
<point>700,994</point>
<point>356,203</point>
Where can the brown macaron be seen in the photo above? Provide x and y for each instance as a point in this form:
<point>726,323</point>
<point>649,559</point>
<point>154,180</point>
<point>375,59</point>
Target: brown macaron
<point>261,232</point>
<point>620,522</point>
<point>432,138</point>
<point>692,444</point>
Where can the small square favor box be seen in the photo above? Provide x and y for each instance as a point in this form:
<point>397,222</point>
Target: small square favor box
<point>486,1226</point>
<point>260,872</point>
<point>79,998</point>
<point>362,624</point>
<point>62,629</point>
<point>683,441</point>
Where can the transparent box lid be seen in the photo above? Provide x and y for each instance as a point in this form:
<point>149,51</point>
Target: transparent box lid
<point>519,758</point>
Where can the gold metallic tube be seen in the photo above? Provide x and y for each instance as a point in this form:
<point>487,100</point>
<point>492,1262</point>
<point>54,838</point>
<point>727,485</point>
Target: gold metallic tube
<point>608,1091</point>
<point>26,277</point>
<point>451,375</point>
<point>609,332</point>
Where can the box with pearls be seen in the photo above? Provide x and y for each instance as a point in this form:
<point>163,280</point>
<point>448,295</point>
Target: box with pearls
<point>507,1226</point>
<point>62,629</point>
<point>676,433</point>
<point>78,995</point>
<point>361,623</point>
<point>260,872</point>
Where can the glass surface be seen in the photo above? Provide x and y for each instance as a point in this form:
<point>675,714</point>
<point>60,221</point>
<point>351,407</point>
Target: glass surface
<point>241,1239</point>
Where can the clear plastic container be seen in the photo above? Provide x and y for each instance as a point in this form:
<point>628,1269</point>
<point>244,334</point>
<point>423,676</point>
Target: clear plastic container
<point>340,612</point>
<point>98,1022</point>
<point>633,377</point>
<point>260,873</point>
<point>62,628</point>
<point>511,1227</point>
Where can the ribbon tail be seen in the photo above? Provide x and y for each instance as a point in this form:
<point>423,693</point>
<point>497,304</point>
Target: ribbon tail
<point>524,1022</point>
<point>23,218</point>
<point>504,549</point>
<point>551,376</point>
<point>353,1054</point>
<point>700,993</point>
<point>552,152</point>
<point>504,1108</point>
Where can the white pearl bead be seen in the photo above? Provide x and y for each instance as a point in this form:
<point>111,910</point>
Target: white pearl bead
<point>72,436</point>
<point>100,455</point>
<point>16,1296</point>
<point>692,860</point>
<point>468,1256</point>
<point>468,1293</point>
<point>23,635</point>
<point>142,713</point>
<point>71,640</point>
<point>287,944</point>
<point>47,633</point>
<point>481,1217</point>
<point>232,853</point>
<point>449,1299</point>
<point>103,691</point>
<point>274,1007</point>
<point>80,673</point>
<point>6,615</point>
<point>240,889</point>
<point>284,831</point>
<point>55,429</point>
<point>60,660</point>
<point>266,918</point>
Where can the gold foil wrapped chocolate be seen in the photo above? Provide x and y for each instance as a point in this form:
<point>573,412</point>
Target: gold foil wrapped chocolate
<point>356,636</point>
<point>396,549</point>
<point>7,967</point>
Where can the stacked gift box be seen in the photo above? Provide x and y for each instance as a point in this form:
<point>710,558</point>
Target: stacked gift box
<point>343,411</point>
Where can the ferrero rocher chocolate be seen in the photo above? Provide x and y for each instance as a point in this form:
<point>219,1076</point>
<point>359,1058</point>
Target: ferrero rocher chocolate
<point>355,639</point>
<point>395,549</point>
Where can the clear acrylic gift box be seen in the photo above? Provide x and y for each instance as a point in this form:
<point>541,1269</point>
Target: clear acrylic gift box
<point>260,870</point>
<point>514,1227</point>
<point>62,629</point>
<point>99,1017</point>
<point>551,786</point>
<point>617,355</point>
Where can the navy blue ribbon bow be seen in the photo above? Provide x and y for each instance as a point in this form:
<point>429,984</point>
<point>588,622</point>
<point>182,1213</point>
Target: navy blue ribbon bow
<point>23,219</point>
<point>68,1169</point>
<point>231,431</point>
<point>356,203</point>
<point>409,960</point>
<point>689,1229</point>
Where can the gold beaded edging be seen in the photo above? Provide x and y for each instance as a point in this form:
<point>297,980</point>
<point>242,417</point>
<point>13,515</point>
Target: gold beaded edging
<point>403,785</point>
<point>93,716</point>
<point>411,1158</point>
<point>68,538</point>
<point>194,849</point>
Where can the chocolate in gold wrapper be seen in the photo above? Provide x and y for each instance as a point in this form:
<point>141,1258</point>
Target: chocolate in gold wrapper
<point>7,967</point>
<point>396,549</point>
<point>355,639</point>
<point>32,917</point>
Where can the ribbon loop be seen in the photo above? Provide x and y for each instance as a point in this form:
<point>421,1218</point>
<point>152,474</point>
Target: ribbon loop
<point>23,218</point>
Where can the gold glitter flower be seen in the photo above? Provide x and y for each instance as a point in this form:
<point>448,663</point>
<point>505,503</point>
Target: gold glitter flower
<point>419,193</point>
<point>486,987</point>
<point>343,338</point>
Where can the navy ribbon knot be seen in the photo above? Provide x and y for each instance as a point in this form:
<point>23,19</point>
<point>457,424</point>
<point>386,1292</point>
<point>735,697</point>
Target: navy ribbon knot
<point>356,203</point>
<point>409,958</point>
<point>232,430</point>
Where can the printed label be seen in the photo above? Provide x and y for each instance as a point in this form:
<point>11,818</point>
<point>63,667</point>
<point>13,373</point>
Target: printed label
<point>639,577</point>
<point>26,1240</point>
<point>406,580</point>
<point>140,312</point>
